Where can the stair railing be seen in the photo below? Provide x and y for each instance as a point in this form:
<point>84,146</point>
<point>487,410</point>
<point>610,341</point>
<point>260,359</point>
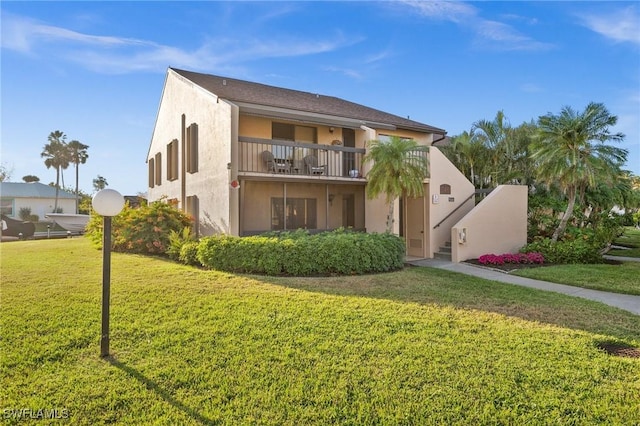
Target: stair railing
<point>455,210</point>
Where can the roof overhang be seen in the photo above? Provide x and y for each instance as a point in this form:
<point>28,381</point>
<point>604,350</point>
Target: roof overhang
<point>308,117</point>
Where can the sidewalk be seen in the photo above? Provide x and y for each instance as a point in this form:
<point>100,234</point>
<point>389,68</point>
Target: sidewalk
<point>623,301</point>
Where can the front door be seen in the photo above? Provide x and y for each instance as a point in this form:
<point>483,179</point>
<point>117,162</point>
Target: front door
<point>414,227</point>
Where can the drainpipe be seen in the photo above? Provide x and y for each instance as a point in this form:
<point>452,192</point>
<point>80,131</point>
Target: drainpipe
<point>183,168</point>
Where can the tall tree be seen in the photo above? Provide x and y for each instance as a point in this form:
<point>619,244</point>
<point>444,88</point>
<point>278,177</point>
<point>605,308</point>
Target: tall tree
<point>99,183</point>
<point>469,154</point>
<point>494,134</point>
<point>78,155</point>
<point>56,155</point>
<point>30,178</point>
<point>399,168</point>
<point>570,151</point>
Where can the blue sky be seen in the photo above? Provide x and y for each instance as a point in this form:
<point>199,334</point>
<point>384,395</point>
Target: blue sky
<point>95,70</point>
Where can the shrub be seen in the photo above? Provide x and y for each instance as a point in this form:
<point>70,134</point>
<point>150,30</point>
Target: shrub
<point>145,229</point>
<point>189,253</point>
<point>300,254</point>
<point>177,240</point>
<point>569,251</point>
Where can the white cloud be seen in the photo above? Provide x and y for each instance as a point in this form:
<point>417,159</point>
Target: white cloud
<point>622,25</point>
<point>24,35</point>
<point>499,35</point>
<point>377,57</point>
<point>446,10</point>
<point>344,71</point>
<point>490,34</point>
<point>111,54</point>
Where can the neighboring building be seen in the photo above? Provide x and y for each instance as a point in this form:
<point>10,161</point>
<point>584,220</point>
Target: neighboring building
<point>38,197</point>
<point>244,158</point>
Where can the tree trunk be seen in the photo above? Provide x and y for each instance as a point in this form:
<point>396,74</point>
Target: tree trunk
<point>390,217</point>
<point>565,217</point>
<point>55,205</point>
<point>77,175</point>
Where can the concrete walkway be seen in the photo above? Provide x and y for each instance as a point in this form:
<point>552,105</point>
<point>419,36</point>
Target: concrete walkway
<point>623,301</point>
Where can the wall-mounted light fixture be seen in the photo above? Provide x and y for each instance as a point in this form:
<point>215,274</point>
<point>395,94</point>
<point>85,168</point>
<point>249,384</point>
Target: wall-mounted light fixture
<point>331,129</point>
<point>331,197</point>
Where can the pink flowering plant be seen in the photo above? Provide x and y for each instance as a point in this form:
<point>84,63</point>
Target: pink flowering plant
<point>514,258</point>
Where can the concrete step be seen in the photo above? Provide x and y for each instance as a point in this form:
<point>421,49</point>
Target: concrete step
<point>442,256</point>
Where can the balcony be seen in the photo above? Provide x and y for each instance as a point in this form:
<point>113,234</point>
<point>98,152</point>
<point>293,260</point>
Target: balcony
<point>295,159</point>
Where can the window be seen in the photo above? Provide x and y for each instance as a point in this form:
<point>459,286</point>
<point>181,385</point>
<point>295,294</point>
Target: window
<point>291,132</point>
<point>152,172</point>
<point>6,206</point>
<point>192,148</point>
<point>283,131</point>
<point>158,169</point>
<point>299,213</point>
<point>172,160</point>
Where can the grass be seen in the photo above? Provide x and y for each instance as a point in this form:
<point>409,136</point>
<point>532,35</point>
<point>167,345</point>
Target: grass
<point>616,278</point>
<point>623,278</point>
<point>630,240</point>
<point>418,346</point>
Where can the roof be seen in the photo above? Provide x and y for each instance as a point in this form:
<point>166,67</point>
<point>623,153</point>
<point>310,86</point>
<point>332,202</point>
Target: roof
<point>31,190</point>
<point>240,91</point>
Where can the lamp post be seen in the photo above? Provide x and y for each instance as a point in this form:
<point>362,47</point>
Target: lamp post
<point>106,203</point>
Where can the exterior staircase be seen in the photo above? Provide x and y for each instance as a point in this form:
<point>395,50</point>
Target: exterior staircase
<point>444,252</point>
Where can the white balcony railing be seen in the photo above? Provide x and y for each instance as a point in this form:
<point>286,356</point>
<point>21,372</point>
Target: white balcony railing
<point>295,158</point>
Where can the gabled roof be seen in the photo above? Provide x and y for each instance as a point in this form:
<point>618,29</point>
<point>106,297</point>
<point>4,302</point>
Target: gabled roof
<point>247,93</point>
<point>31,190</point>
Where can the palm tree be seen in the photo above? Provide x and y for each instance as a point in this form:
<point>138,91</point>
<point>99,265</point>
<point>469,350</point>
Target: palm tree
<point>56,155</point>
<point>99,183</point>
<point>570,151</point>
<point>78,155</point>
<point>469,154</point>
<point>399,168</point>
<point>494,135</point>
<point>30,178</point>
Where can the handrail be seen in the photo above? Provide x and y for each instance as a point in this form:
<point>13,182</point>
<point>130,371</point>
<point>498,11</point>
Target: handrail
<point>455,210</point>
<point>300,144</point>
<point>333,161</point>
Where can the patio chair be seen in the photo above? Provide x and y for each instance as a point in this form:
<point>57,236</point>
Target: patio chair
<point>312,167</point>
<point>275,165</point>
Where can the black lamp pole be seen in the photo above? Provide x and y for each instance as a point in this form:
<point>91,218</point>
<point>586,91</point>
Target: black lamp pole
<point>107,203</point>
<point>106,285</point>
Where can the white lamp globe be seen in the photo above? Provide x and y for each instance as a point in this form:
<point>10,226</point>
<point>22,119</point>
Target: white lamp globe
<point>108,202</point>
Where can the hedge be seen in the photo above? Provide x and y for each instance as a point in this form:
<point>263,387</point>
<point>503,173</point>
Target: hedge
<point>300,254</point>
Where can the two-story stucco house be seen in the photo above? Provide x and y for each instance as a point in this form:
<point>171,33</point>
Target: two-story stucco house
<point>245,158</point>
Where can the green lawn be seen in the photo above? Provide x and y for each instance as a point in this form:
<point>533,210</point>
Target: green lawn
<point>631,240</point>
<point>623,278</point>
<point>419,346</point>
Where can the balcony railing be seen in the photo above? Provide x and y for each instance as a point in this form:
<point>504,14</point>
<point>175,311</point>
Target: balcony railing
<point>294,158</point>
